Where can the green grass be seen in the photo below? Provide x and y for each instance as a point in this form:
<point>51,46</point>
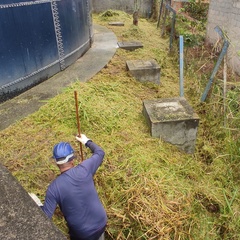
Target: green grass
<point>150,189</point>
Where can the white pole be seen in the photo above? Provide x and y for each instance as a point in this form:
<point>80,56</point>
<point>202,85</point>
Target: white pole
<point>224,88</point>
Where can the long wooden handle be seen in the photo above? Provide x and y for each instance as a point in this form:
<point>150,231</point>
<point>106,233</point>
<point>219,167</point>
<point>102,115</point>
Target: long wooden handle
<point>78,122</point>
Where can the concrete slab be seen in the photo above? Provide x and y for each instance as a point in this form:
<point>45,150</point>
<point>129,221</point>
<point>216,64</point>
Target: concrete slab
<point>116,23</point>
<point>131,46</point>
<point>144,70</point>
<point>173,120</point>
<point>20,217</point>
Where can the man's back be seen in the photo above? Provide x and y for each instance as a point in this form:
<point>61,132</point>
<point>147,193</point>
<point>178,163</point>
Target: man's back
<point>75,193</point>
<point>79,201</point>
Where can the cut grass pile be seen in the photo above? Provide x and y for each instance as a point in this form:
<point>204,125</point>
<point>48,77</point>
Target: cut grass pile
<point>149,188</point>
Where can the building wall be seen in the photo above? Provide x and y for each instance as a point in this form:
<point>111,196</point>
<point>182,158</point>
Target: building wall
<point>226,15</point>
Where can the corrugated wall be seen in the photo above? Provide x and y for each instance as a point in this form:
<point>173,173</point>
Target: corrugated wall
<point>40,38</point>
<point>226,15</point>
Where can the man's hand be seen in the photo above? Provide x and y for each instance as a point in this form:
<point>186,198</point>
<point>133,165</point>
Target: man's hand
<point>83,139</point>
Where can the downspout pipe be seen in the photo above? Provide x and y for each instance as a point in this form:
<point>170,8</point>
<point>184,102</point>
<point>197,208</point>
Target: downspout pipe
<point>181,78</point>
<point>220,58</point>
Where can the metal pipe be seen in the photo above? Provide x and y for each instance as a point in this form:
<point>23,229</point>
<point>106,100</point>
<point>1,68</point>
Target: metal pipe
<point>172,26</point>
<point>220,58</point>
<point>160,13</point>
<point>224,87</point>
<point>78,123</point>
<point>164,23</point>
<point>181,79</point>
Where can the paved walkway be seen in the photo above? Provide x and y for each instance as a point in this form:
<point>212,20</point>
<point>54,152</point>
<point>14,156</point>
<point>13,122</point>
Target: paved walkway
<point>103,49</point>
<point>20,217</point>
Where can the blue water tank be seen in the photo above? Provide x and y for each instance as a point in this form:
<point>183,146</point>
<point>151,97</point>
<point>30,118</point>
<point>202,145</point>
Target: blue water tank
<point>40,38</point>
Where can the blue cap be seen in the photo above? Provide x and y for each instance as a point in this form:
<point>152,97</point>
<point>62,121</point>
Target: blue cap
<point>63,152</point>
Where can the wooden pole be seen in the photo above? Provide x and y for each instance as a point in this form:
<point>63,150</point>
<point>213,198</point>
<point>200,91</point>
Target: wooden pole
<point>78,123</point>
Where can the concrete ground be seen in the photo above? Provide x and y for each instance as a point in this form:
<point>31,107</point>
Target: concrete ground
<point>20,217</point>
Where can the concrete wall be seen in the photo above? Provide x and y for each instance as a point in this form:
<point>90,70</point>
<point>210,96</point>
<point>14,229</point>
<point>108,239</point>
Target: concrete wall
<point>128,6</point>
<point>226,15</point>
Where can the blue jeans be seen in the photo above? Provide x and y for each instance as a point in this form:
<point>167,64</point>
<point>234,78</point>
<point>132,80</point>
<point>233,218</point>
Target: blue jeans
<point>95,236</point>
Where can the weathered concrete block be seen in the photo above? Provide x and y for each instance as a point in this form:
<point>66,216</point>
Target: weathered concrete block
<point>116,23</point>
<point>131,46</point>
<point>172,120</point>
<point>144,70</point>
<point>20,217</point>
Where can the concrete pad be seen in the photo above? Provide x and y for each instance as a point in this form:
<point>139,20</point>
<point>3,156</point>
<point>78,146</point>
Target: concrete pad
<point>20,216</point>
<point>143,71</point>
<point>173,120</point>
<point>116,23</point>
<point>131,46</point>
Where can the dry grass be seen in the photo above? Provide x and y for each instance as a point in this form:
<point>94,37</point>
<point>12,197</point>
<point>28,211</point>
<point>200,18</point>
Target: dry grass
<point>150,189</point>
